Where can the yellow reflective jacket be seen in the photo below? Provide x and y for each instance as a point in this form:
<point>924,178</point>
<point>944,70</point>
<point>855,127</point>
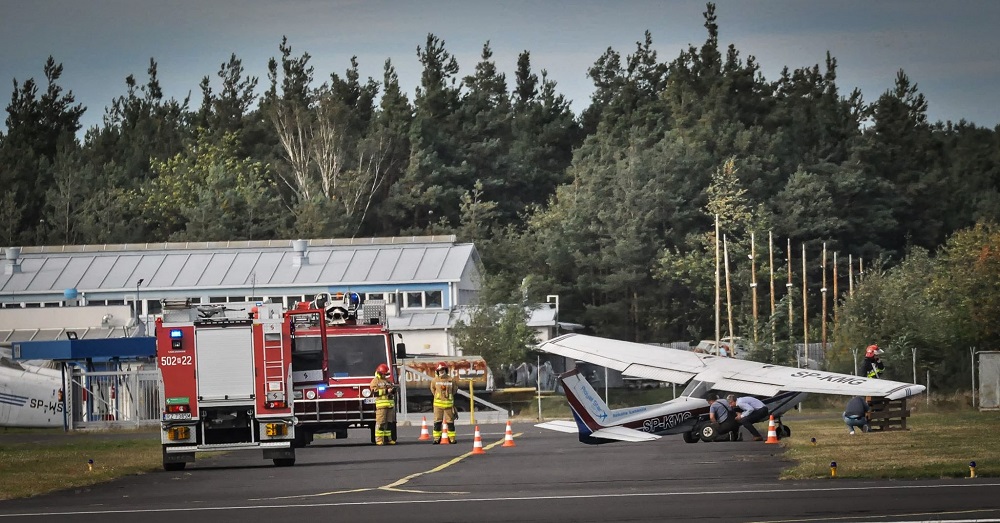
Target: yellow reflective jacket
<point>384,393</point>
<point>443,389</point>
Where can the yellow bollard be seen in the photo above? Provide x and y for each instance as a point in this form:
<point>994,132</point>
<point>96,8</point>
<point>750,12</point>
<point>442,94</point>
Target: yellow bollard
<point>90,465</point>
<point>972,469</point>
<point>833,469</point>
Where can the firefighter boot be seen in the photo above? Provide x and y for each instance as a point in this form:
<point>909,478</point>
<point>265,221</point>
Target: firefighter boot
<point>437,433</point>
<point>392,433</point>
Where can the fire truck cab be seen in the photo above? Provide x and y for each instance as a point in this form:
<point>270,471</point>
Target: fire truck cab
<point>337,341</point>
<point>226,381</point>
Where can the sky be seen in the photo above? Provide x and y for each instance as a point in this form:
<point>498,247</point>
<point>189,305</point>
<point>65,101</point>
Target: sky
<point>951,49</point>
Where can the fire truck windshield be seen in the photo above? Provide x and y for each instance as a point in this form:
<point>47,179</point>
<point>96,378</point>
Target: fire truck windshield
<point>354,355</point>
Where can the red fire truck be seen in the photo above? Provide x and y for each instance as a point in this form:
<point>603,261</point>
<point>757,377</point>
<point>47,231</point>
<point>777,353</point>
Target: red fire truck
<point>226,381</point>
<point>337,341</point>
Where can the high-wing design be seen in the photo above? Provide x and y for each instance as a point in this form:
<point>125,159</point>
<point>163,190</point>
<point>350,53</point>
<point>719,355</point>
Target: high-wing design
<point>720,373</point>
<point>780,388</point>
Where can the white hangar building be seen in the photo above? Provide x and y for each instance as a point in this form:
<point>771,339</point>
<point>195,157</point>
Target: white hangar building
<point>427,281</point>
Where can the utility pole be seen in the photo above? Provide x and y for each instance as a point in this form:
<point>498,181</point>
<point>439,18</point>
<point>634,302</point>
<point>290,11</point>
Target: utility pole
<point>753,283</point>
<point>770,266</point>
<point>823,291</point>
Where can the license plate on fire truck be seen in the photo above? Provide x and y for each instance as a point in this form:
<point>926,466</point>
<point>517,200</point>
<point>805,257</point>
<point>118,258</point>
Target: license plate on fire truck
<point>369,401</point>
<point>176,415</point>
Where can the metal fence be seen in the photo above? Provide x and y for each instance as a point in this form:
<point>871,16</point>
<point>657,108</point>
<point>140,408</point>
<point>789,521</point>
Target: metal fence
<point>110,399</point>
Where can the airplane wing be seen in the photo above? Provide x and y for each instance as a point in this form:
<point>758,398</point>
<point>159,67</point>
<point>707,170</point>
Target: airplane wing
<point>729,374</point>
<point>616,433</point>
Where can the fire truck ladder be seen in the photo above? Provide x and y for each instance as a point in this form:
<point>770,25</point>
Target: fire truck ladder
<point>274,365</point>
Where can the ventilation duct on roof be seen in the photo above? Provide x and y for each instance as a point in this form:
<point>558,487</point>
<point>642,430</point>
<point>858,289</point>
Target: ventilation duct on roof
<point>12,260</point>
<point>300,248</point>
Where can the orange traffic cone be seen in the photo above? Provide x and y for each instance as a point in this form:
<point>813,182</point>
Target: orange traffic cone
<point>445,440</point>
<point>772,432</point>
<point>508,437</point>
<point>424,435</point>
<point>477,443</point>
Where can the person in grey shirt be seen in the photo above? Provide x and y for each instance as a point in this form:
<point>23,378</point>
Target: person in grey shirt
<point>749,410</point>
<point>856,414</point>
<point>718,412</point>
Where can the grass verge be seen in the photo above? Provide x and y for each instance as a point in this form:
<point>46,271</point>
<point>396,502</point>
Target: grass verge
<point>61,462</point>
<point>937,445</point>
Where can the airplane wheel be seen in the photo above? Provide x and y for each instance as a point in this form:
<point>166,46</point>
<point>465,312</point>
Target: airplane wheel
<point>786,432</point>
<point>708,432</point>
<point>690,437</point>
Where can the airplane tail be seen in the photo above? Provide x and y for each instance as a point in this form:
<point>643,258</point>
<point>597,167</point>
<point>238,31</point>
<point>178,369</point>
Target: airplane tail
<point>589,410</point>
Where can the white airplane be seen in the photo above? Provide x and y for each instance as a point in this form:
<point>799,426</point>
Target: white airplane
<point>29,395</point>
<point>781,388</point>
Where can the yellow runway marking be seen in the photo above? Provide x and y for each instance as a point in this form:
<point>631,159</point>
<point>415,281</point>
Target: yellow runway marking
<point>392,487</point>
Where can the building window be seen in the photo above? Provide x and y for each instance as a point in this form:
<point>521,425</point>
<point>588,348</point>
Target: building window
<point>422,300</point>
<point>155,306</point>
<point>374,296</point>
<point>217,299</point>
<point>432,300</point>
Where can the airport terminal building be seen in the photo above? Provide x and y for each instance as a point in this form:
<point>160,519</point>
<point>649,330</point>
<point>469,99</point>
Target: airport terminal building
<point>427,282</point>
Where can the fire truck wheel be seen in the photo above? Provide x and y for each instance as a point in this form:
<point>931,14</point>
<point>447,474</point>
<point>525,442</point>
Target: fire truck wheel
<point>172,467</point>
<point>393,432</point>
<point>373,434</point>
<point>283,462</point>
<point>301,439</point>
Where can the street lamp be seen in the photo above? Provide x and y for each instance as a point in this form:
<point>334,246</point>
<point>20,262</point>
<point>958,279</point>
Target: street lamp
<point>554,298</point>
<point>137,284</point>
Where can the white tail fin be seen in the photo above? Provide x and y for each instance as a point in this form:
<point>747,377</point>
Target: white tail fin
<point>589,409</point>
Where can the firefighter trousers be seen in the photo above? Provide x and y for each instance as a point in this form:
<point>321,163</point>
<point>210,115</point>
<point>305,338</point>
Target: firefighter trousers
<point>444,414</point>
<point>385,419</point>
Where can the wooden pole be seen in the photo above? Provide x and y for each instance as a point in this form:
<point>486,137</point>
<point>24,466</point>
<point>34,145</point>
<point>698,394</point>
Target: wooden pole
<point>823,291</point>
<point>850,275</point>
<point>718,291</point>
<point>753,283</point>
<point>805,307</point>
<point>788,290</point>
<point>836,297</point>
<point>729,294</point>
<point>770,256</point>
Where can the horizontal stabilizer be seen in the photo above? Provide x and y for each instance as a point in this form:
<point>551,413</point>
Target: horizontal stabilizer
<point>559,425</point>
<point>624,434</point>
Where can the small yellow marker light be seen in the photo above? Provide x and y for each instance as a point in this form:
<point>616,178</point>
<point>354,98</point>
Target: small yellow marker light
<point>90,465</point>
<point>972,469</point>
<point>276,429</point>
<point>833,469</point>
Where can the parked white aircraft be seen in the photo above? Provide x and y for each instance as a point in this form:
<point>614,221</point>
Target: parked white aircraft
<point>781,387</point>
<point>29,395</point>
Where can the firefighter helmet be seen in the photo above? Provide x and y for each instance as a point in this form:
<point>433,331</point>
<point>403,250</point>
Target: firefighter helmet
<point>382,369</point>
<point>441,367</point>
<point>872,351</point>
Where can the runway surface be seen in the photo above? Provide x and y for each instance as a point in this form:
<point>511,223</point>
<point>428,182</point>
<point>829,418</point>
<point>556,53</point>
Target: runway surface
<point>547,477</point>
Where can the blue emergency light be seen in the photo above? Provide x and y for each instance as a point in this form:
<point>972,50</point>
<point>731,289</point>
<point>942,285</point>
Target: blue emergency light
<point>176,334</point>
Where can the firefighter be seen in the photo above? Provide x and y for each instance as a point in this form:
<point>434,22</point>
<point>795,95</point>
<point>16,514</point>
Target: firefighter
<point>873,363</point>
<point>443,388</point>
<point>385,405</point>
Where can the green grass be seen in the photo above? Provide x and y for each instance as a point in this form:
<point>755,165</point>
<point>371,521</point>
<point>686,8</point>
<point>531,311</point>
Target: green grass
<point>61,462</point>
<point>936,445</point>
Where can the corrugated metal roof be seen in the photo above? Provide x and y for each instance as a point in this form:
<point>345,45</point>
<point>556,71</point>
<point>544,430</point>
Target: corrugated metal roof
<point>237,264</point>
